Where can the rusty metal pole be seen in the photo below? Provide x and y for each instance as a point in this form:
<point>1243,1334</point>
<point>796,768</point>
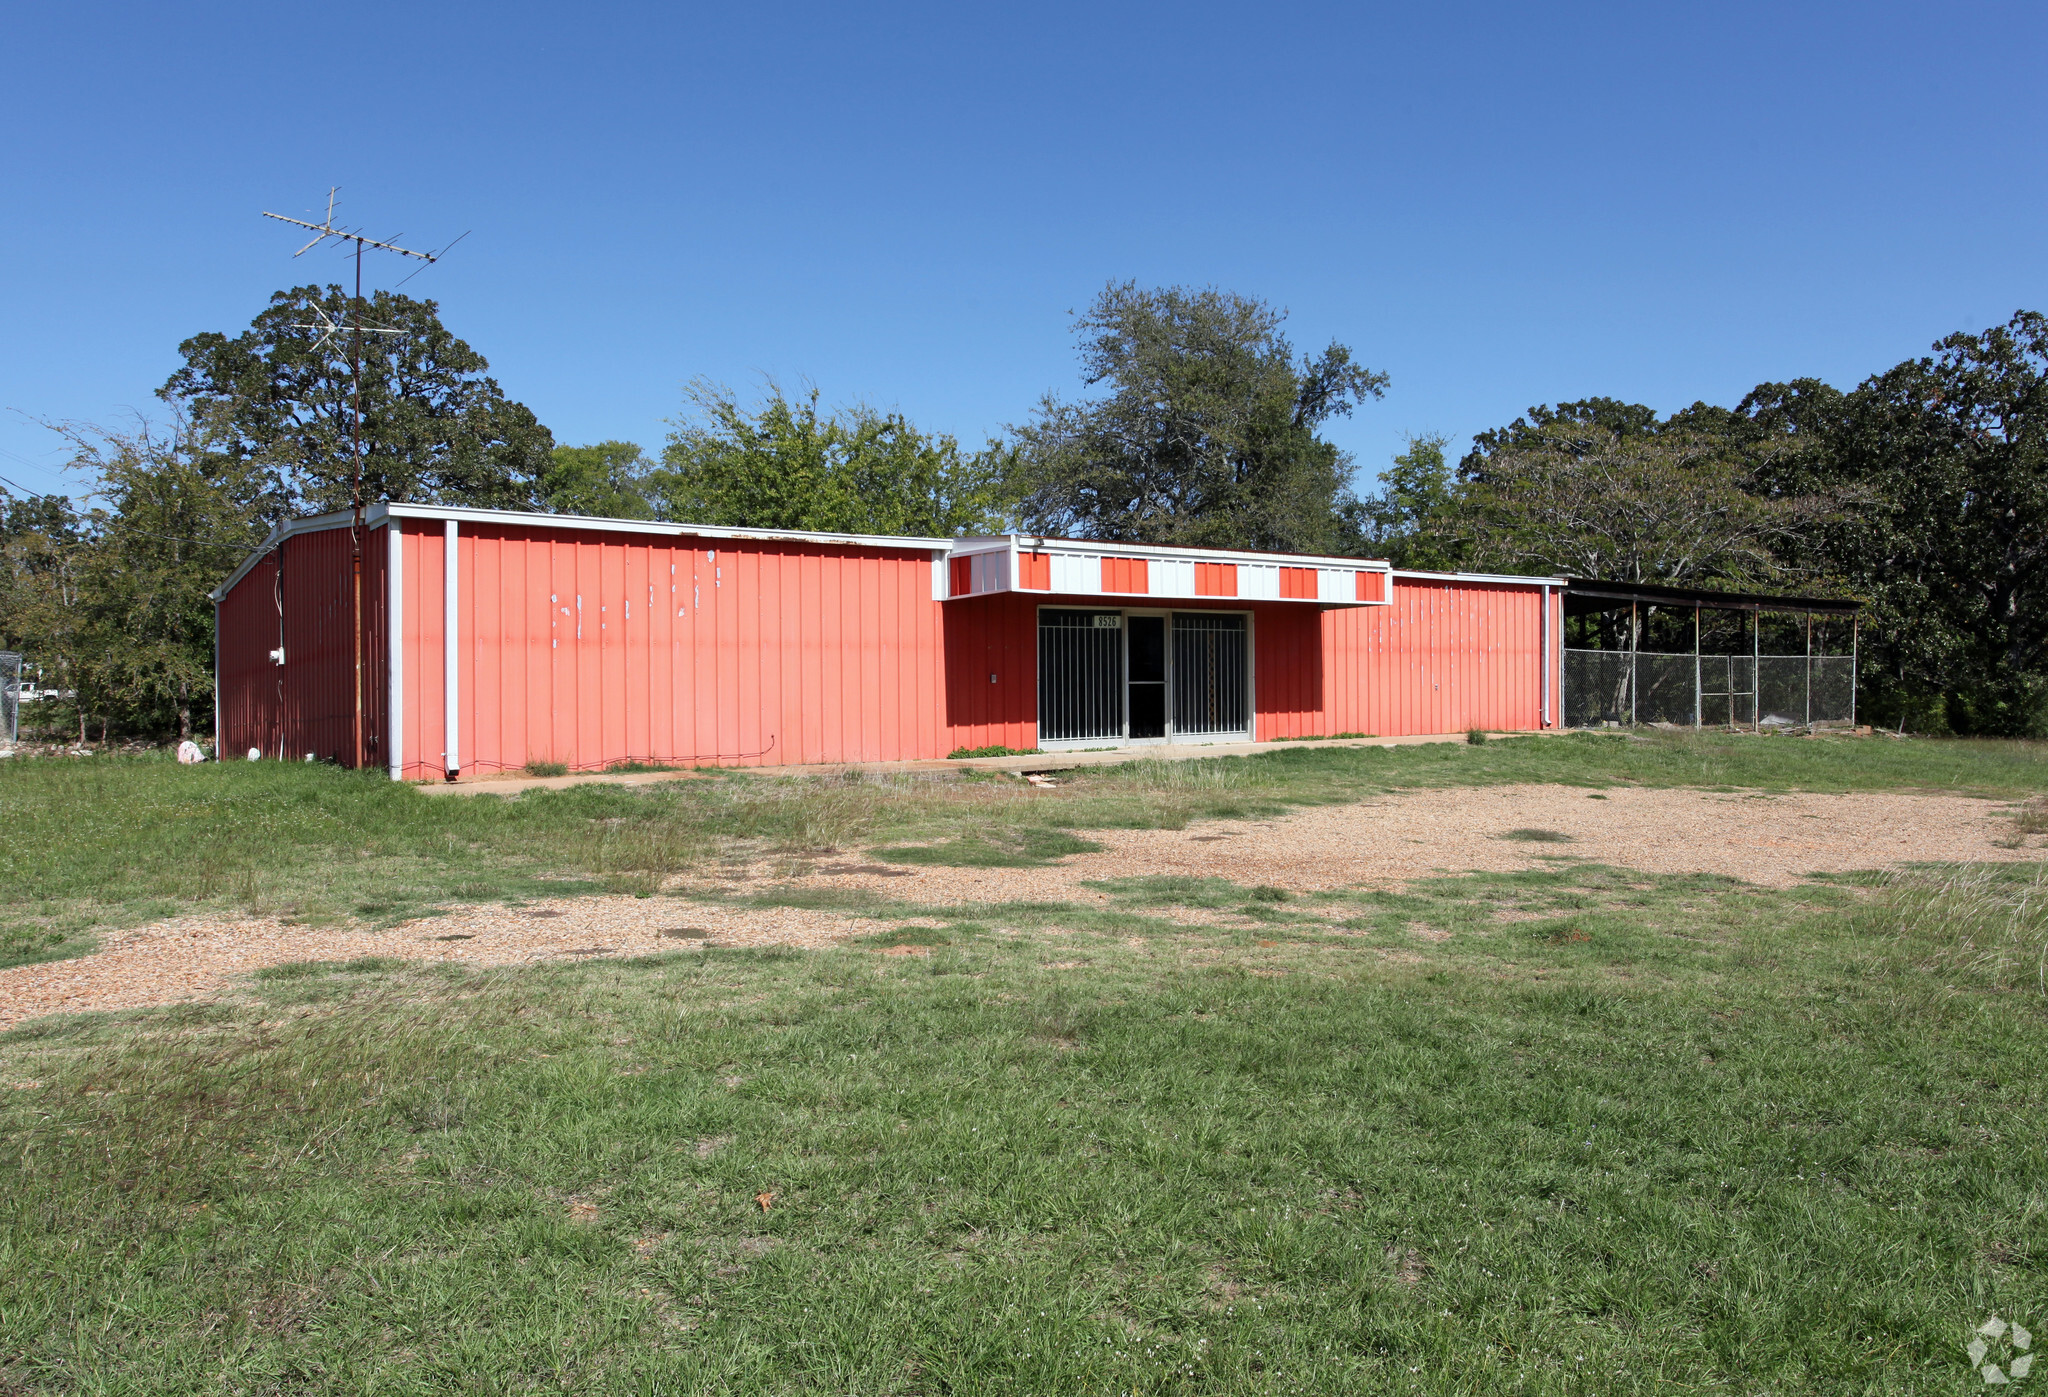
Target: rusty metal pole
<point>355,528</point>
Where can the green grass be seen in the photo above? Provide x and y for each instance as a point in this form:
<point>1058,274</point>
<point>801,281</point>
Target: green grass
<point>1579,1130</point>
<point>114,841</point>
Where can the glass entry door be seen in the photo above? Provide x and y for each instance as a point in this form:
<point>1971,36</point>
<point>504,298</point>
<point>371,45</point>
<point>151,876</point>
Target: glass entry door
<point>1147,669</point>
<point>1118,677</point>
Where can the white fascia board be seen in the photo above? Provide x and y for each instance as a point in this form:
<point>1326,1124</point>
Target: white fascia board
<point>647,526</point>
<point>377,514</point>
<point>1508,578</point>
<point>1029,544</point>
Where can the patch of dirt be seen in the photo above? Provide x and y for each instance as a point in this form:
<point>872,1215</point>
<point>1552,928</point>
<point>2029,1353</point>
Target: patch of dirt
<point>202,958</point>
<point>1774,841</point>
<point>1771,840</point>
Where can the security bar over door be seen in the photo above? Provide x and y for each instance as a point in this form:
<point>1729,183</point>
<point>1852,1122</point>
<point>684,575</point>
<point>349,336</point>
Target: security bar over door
<point>1080,676</point>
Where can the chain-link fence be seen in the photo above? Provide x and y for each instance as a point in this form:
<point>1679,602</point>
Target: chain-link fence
<point>1607,687</point>
<point>10,697</point>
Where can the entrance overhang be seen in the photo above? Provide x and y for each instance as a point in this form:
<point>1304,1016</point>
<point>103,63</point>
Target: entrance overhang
<point>1126,574</point>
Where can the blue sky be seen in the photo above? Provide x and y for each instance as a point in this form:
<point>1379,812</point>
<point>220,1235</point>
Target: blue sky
<point>1498,205</point>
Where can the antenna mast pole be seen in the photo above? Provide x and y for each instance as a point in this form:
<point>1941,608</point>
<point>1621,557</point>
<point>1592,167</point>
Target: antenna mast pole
<point>323,231</point>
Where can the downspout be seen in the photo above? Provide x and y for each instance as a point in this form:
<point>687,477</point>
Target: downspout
<point>394,640</point>
<point>1543,666</point>
<point>216,683</point>
<point>451,756</point>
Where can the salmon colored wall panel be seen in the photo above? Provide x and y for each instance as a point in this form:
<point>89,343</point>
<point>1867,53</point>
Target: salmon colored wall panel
<point>588,648</point>
<point>1371,586</point>
<point>1131,575</point>
<point>1215,579</point>
<point>1034,571</point>
<point>1298,583</point>
<point>991,635</point>
<point>1444,657</point>
<point>1287,672</point>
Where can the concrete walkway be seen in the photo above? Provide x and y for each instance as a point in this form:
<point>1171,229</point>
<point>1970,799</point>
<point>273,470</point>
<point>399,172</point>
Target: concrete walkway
<point>1043,761</point>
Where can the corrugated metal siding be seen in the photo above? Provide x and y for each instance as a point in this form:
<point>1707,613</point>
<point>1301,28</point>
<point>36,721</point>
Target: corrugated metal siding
<point>1287,670</point>
<point>588,648</point>
<point>995,635</point>
<point>250,688</point>
<point>1444,657</point>
<point>319,668</point>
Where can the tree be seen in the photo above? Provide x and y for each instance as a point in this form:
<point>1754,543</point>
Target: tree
<point>42,602</point>
<point>435,428</point>
<point>608,481</point>
<point>1206,434</point>
<point>1414,522</point>
<point>1945,461</point>
<point>784,465</point>
<point>172,518</point>
<point>1604,489</point>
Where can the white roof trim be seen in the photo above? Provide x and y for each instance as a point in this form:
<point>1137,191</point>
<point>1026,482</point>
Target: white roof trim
<point>1031,543</point>
<point>1511,578</point>
<point>374,516</point>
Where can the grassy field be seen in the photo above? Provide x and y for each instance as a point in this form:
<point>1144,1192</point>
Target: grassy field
<point>103,841</point>
<point>1576,1130</point>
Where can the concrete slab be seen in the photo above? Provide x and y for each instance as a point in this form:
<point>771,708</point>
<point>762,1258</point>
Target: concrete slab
<point>510,784</point>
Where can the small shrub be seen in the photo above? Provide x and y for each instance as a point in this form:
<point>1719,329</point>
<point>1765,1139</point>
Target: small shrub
<point>998,750</point>
<point>547,768</point>
<point>1476,736</point>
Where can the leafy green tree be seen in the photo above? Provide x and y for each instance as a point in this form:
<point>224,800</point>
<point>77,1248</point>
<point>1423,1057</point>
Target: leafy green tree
<point>783,464</point>
<point>171,518</point>
<point>42,598</point>
<point>606,481</point>
<point>436,429</point>
<point>1605,489</point>
<point>1943,464</point>
<point>1206,433</point>
<point>1416,520</point>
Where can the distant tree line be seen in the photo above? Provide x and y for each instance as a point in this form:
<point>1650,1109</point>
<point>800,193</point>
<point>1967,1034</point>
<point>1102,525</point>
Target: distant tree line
<point>1922,491</point>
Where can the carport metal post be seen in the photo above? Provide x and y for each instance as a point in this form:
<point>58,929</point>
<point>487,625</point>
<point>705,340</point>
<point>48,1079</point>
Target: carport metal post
<point>1855,644</point>
<point>1635,633</point>
<point>1756,676</point>
<point>1809,669</point>
<point>1696,665</point>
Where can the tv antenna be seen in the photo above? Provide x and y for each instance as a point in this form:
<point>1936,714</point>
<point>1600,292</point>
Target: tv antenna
<point>330,329</point>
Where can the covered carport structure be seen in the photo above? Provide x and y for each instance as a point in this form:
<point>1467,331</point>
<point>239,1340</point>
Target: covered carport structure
<point>1638,653</point>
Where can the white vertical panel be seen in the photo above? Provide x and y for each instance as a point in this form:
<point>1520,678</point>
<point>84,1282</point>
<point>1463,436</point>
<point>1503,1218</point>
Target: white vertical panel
<point>990,572</point>
<point>1260,581</point>
<point>394,638</point>
<point>1173,577</point>
<point>1069,573</point>
<point>1091,575</point>
<point>940,587</point>
<point>1336,584</point>
<point>451,662</point>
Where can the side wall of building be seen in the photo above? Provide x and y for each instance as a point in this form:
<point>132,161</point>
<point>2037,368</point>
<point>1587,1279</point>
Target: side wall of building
<point>1448,655</point>
<point>299,598</point>
<point>586,648</point>
<point>249,688</point>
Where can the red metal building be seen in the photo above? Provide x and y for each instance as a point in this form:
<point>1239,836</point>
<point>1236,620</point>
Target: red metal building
<point>588,642</point>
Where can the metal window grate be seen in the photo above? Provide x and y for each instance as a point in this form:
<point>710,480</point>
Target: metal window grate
<point>1210,677</point>
<point>1080,675</point>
